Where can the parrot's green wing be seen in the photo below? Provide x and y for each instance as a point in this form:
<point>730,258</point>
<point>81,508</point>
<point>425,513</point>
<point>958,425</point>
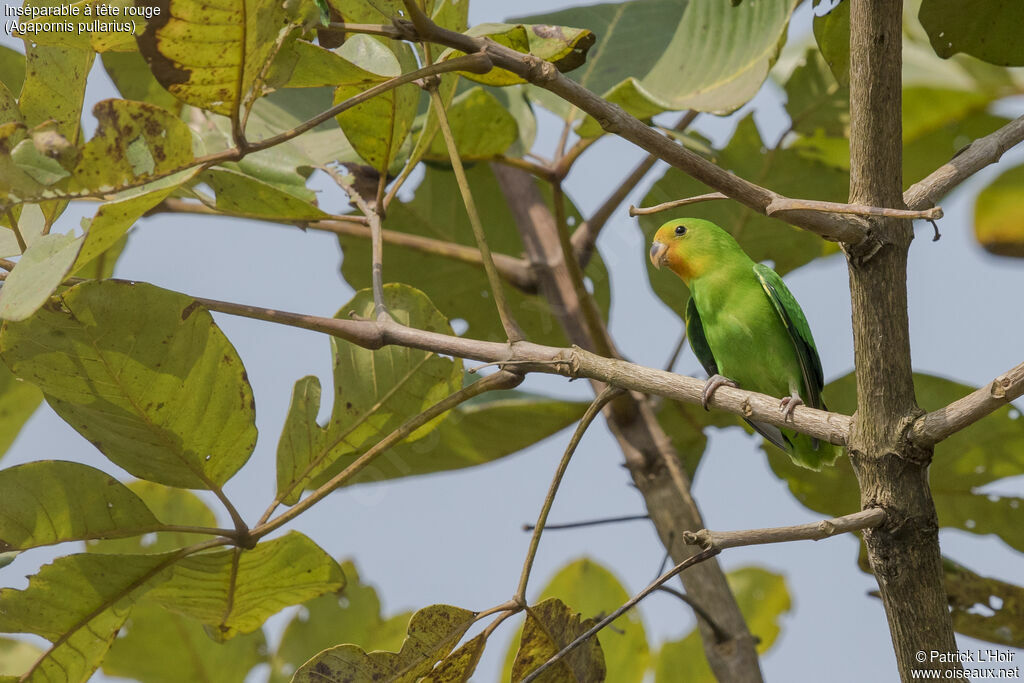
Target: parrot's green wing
<point>799,332</point>
<point>699,344</point>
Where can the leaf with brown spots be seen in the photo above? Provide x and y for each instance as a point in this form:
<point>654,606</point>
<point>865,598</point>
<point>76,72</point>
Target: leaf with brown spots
<point>150,390</point>
<point>211,53</point>
<point>550,626</point>
<point>134,141</point>
<point>433,633</point>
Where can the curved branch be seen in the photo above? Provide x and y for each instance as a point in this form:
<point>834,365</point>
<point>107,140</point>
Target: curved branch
<point>940,424</point>
<point>968,161</point>
<point>815,531</point>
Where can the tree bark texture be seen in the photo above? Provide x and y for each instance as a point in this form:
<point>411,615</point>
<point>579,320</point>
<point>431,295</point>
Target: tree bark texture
<point>893,473</point>
<point>650,458</point>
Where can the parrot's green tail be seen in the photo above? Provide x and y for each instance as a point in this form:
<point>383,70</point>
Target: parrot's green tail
<point>802,451</point>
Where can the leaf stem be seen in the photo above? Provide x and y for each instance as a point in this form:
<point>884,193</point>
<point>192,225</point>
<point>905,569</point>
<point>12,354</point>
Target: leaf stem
<point>508,322</point>
<point>17,232</point>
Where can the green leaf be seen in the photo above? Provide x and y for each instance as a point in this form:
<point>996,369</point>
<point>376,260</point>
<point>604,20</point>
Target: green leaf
<point>12,69</point>
<point>990,33</point>
<point>815,102</point>
<point>145,375</point>
<point>78,603</point>
<point>433,633</point>
<point>37,275</point>
<point>550,626</point>
<point>983,607</point>
<point>52,501</point>
<point>785,170</point>
<point>158,646</point>
<point>459,665</point>
<point>114,218</point>
<point>171,506</point>
<point>458,289</point>
<point>130,73</point>
<point>234,591</point>
<point>17,656</point>
<point>594,591</point>
<point>376,391</point>
<point>832,33</point>
<point>986,451</point>
<point>17,183</point>
<point>999,214</point>
<point>55,86</point>
<point>938,123</point>
<point>763,599</point>
<point>376,128</point>
<point>108,32</point>
<point>211,54</point>
<point>465,438</point>
<point>8,105</point>
<point>351,616</point>
<point>631,38</point>
<point>735,46</point>
<point>376,12</point>
<point>481,126</point>
<point>133,141</point>
<point>18,400</point>
<point>316,67</point>
<point>243,194</point>
<point>563,46</point>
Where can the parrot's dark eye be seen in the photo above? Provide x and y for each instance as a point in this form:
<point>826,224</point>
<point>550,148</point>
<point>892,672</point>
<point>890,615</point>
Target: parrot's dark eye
<point>680,230</point>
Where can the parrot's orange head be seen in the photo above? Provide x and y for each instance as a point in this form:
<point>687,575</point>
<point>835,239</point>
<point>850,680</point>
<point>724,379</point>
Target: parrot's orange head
<point>690,247</point>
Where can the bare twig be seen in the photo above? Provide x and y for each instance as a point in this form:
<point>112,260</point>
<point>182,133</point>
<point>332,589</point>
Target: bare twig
<point>508,321</point>
<point>593,410</point>
<point>976,156</point>
<point>781,204</point>
<point>940,424</point>
<point>675,352</point>
<point>675,203</point>
<point>685,564</point>
<point>499,380</point>
<point>515,270</point>
<point>815,531</point>
<point>589,522</point>
<point>585,236</point>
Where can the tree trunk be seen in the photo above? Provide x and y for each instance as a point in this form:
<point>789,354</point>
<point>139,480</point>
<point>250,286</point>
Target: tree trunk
<point>893,474</point>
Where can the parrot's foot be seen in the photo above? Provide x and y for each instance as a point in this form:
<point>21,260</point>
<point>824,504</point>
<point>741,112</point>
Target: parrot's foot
<point>788,404</point>
<point>711,387</point>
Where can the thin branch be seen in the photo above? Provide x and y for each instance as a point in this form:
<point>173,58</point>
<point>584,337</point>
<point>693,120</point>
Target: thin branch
<point>499,380</point>
<point>508,321</point>
<point>614,119</point>
<point>815,531</point>
<point>940,424</point>
<point>668,206</point>
<point>565,162</point>
<point>588,417</point>
<point>384,30</point>
<point>783,204</point>
<point>585,237</point>
<point>534,169</point>
<point>685,564</point>
<point>588,522</point>
<point>720,634</point>
<point>17,232</point>
<point>976,156</point>
<point>676,351</point>
<point>515,270</point>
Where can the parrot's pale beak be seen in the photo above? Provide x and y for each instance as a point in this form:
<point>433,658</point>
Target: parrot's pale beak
<point>658,250</point>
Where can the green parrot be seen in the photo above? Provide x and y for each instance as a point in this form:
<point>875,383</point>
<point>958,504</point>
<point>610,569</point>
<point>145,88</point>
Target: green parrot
<point>746,328</point>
